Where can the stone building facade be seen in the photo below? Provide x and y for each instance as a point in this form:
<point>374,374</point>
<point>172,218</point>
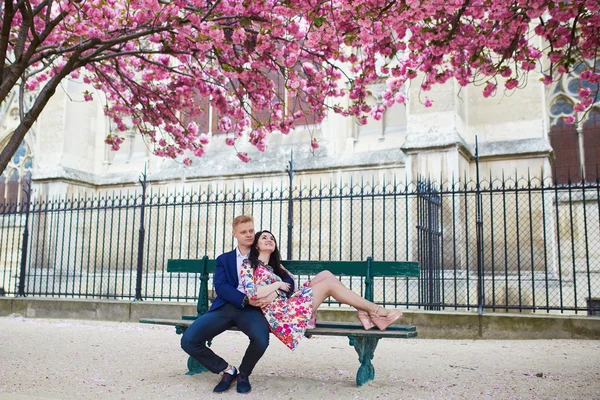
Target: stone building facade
<point>519,139</point>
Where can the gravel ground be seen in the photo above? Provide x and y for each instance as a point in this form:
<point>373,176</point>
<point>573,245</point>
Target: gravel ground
<point>73,359</point>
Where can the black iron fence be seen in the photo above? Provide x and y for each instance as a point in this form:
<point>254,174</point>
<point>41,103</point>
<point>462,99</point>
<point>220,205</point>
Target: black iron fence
<point>498,245</point>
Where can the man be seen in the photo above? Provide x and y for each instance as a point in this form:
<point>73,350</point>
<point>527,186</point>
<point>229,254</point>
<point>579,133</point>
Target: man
<point>230,308</point>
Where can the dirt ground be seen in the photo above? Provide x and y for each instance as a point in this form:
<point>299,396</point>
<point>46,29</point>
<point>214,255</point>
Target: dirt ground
<point>73,359</point>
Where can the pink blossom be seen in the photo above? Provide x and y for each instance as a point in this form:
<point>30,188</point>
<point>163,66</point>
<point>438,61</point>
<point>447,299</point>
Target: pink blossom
<point>506,72</point>
<point>489,89</point>
<point>587,101</point>
<point>187,162</point>
<point>584,92</point>
<point>569,119</point>
<point>225,124</point>
<point>586,74</point>
<point>314,144</point>
<point>192,128</point>
<point>511,84</point>
<point>528,66</point>
<point>244,157</point>
<point>114,141</point>
<point>204,138</point>
<point>547,79</point>
<point>261,145</point>
<point>190,65</point>
<point>400,98</point>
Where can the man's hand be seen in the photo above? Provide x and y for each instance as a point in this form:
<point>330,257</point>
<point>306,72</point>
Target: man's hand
<point>264,301</point>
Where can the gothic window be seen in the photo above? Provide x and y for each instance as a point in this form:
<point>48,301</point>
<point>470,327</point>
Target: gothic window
<point>17,176</point>
<point>591,149</point>
<point>576,146</point>
<point>208,121</point>
<point>394,119</point>
<point>203,120</point>
<point>296,102</point>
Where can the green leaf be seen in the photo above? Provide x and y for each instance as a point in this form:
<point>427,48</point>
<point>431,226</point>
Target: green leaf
<point>318,21</point>
<point>245,21</point>
<point>349,39</point>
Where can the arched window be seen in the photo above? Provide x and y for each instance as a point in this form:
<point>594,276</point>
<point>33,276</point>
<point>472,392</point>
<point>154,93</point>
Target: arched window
<point>17,176</point>
<point>591,148</point>
<point>576,147</point>
<point>12,187</point>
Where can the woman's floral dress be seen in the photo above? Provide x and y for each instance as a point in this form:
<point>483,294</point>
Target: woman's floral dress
<point>288,317</point>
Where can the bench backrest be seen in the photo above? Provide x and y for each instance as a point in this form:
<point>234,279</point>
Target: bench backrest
<point>301,267</point>
<point>192,266</point>
<point>368,269</point>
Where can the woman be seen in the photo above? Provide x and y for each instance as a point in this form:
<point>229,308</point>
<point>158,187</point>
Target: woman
<point>291,314</point>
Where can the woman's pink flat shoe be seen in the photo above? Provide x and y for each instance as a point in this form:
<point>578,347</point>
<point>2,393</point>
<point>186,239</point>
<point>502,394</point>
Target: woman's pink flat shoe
<point>365,320</point>
<point>383,322</point>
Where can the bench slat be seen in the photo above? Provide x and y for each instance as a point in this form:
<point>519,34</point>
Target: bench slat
<point>190,266</point>
<point>395,268</point>
<point>300,267</point>
<point>360,332</point>
<point>354,268</point>
<point>352,325</point>
<point>342,329</point>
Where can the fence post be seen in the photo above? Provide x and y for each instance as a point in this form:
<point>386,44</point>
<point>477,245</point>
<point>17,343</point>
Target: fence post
<point>480,286</point>
<point>290,171</point>
<point>142,234</point>
<point>24,248</point>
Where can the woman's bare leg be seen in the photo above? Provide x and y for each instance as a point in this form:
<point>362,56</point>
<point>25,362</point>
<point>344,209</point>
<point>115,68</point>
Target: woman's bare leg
<point>321,276</point>
<point>334,288</point>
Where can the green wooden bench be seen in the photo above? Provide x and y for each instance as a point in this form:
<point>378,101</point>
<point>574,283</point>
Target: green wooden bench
<point>364,342</point>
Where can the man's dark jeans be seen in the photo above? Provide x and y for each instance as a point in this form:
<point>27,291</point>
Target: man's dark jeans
<point>249,320</point>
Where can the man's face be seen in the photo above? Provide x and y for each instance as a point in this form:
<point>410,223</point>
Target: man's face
<point>244,233</point>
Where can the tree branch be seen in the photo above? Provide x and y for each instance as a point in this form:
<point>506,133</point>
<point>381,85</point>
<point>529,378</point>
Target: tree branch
<point>6,23</point>
<point>30,16</point>
<point>17,69</point>
<point>23,32</point>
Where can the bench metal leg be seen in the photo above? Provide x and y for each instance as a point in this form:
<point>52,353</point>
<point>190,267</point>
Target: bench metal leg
<point>365,347</point>
<point>194,367</point>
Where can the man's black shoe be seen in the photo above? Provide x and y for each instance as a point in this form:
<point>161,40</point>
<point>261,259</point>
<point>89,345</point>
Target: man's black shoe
<point>243,384</point>
<point>226,381</point>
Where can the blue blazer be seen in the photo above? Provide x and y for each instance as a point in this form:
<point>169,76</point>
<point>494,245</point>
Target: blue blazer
<point>226,281</point>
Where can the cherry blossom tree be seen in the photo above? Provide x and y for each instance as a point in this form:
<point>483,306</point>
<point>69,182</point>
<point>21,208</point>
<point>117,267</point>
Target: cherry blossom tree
<point>152,59</point>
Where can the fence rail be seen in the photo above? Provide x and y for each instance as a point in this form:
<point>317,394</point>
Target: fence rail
<point>497,245</point>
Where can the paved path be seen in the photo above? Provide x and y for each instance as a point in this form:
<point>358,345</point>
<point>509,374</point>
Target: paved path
<point>73,359</point>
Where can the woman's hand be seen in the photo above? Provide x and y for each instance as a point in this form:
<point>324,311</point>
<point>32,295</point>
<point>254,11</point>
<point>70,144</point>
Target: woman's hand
<point>284,286</point>
<point>264,301</point>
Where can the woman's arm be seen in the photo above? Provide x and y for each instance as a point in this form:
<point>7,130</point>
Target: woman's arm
<point>255,292</point>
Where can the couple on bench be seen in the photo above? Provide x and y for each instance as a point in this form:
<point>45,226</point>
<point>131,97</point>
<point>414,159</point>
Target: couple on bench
<point>257,294</point>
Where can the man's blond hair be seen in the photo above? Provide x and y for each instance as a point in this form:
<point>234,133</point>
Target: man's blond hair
<point>241,219</point>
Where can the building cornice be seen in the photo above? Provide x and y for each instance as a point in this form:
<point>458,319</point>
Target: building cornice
<point>209,167</point>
